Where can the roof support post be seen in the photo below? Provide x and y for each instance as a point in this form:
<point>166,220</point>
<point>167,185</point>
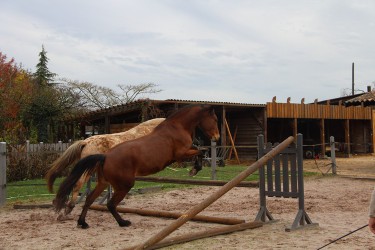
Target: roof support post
<point>347,137</point>
<point>107,126</point>
<point>322,137</point>
<point>223,135</point>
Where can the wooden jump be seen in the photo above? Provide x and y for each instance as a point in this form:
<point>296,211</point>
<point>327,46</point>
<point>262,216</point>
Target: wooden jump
<point>212,198</point>
<point>168,214</point>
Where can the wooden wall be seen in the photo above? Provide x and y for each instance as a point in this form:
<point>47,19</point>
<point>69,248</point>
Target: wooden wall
<point>246,126</point>
<point>317,111</point>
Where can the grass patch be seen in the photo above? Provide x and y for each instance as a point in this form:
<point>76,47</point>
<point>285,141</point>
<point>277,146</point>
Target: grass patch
<point>36,190</point>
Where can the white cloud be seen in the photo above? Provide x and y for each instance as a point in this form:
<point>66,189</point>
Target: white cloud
<point>240,51</point>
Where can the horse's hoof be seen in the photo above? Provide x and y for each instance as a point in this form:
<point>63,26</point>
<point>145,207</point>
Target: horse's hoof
<point>63,217</point>
<point>193,172</point>
<point>68,209</point>
<point>83,225</point>
<point>124,223</point>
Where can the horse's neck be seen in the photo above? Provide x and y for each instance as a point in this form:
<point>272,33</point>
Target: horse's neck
<point>187,122</point>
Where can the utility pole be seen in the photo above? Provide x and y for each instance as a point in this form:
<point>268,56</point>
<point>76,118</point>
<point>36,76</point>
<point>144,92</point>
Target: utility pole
<point>353,78</point>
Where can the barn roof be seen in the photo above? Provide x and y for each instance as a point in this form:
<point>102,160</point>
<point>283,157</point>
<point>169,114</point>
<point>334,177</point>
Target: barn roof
<point>366,99</point>
<point>138,104</point>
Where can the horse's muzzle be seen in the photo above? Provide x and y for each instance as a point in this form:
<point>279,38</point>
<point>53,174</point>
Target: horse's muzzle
<point>215,137</point>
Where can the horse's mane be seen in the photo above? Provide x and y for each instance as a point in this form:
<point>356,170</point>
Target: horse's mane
<point>184,109</point>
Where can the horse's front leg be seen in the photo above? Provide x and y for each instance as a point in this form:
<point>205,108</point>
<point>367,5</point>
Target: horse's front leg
<point>118,195</point>
<point>193,152</point>
<point>89,200</point>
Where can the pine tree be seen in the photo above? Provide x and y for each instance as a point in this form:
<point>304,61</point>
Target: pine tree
<point>43,77</point>
<point>43,109</point>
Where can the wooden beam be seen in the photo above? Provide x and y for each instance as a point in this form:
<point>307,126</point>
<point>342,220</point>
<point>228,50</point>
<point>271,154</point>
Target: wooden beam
<point>265,128</point>
<point>322,137</point>
<point>347,136</point>
<point>295,127</point>
<point>223,131</point>
<point>234,139</point>
<point>193,182</point>
<point>169,214</point>
<point>205,234</point>
<point>232,142</point>
<point>107,127</point>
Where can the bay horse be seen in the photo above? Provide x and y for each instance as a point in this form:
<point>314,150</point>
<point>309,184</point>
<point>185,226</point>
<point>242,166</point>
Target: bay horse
<point>169,142</point>
<point>97,144</point>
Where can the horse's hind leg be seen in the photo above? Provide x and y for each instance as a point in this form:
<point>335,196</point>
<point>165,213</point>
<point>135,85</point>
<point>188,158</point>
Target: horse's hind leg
<point>89,200</point>
<point>77,187</point>
<point>117,197</point>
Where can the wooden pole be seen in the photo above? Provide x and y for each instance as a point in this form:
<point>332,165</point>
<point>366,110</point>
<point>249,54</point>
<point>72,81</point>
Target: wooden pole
<point>205,234</point>
<point>333,154</point>
<point>347,136</point>
<point>231,141</point>
<point>212,198</point>
<point>194,182</point>
<point>169,214</point>
<point>322,137</point>
<point>213,160</point>
<point>234,139</point>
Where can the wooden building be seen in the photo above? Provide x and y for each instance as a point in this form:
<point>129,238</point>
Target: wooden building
<point>245,121</point>
<point>351,126</point>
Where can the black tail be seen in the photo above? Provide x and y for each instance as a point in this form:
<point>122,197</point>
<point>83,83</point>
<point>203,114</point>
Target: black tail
<point>87,164</point>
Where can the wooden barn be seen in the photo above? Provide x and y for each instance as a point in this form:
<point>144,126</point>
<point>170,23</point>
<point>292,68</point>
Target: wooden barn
<point>239,121</point>
<point>351,126</point>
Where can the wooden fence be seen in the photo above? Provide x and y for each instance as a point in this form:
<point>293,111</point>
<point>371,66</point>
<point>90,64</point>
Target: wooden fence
<point>26,161</point>
<point>30,161</point>
<point>317,111</point>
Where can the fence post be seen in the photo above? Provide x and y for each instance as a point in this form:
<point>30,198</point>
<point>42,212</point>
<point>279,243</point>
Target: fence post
<point>213,160</point>
<point>333,154</point>
<point>3,176</point>
<point>27,151</point>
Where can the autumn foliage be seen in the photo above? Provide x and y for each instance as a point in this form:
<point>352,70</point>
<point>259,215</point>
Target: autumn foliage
<point>16,91</point>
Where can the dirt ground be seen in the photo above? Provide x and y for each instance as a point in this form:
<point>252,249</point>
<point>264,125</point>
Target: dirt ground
<point>339,204</point>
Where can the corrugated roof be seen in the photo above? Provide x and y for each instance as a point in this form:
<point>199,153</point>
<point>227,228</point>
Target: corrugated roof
<point>217,103</point>
<point>136,105</point>
<point>367,99</point>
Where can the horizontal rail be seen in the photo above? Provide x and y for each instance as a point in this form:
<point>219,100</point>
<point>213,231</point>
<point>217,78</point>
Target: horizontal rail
<point>194,182</point>
<point>169,214</point>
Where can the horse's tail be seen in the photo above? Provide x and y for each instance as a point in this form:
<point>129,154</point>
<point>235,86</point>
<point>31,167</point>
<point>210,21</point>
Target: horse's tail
<point>71,155</point>
<point>86,165</point>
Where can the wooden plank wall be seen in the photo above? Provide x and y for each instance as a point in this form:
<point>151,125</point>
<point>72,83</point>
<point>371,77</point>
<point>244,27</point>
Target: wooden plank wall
<point>317,111</point>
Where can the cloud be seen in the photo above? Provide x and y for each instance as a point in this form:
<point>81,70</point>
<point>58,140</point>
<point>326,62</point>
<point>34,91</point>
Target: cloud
<point>245,51</point>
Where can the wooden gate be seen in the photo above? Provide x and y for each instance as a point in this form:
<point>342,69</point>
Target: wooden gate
<point>283,177</point>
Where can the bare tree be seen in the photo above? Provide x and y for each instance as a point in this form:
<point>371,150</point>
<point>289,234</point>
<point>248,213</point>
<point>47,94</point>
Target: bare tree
<point>132,92</point>
<point>348,92</point>
<point>92,96</point>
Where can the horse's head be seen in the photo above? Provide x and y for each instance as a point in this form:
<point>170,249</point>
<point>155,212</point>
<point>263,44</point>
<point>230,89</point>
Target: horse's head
<point>208,123</point>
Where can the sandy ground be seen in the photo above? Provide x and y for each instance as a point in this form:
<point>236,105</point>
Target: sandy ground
<point>339,204</point>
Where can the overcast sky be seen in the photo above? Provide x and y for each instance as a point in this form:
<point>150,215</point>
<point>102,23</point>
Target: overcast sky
<point>232,51</point>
